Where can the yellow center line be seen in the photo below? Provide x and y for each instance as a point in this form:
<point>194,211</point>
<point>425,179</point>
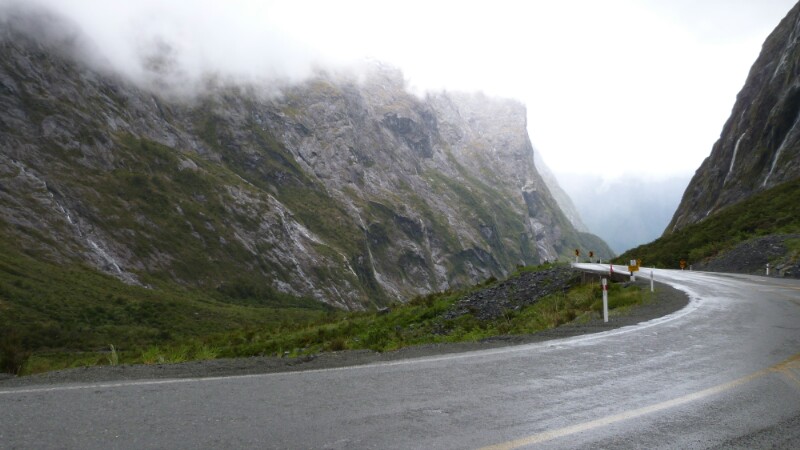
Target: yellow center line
<point>585,426</point>
<point>786,369</point>
<point>783,294</point>
<point>781,286</point>
<point>791,376</point>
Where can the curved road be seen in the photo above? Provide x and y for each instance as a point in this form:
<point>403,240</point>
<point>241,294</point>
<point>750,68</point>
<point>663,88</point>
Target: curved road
<point>724,371</point>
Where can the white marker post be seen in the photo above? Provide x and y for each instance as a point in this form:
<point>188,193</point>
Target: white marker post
<point>767,269</point>
<point>652,288</point>
<point>604,282</point>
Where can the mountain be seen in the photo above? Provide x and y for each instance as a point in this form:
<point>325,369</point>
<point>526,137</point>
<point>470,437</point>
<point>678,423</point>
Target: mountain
<point>759,147</point>
<point>344,188</point>
<point>740,211</point>
<point>627,211</point>
<point>564,201</point>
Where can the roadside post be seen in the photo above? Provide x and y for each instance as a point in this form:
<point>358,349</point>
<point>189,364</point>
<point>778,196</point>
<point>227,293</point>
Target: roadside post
<point>577,255</point>
<point>767,269</point>
<point>604,282</point>
<point>652,288</point>
<point>633,266</point>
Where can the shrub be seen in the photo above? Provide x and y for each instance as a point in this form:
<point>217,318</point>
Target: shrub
<point>13,355</point>
<point>153,355</point>
<point>336,345</point>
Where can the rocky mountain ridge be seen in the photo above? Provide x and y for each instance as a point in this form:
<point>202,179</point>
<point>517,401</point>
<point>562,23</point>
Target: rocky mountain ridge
<point>345,189</point>
<point>759,147</point>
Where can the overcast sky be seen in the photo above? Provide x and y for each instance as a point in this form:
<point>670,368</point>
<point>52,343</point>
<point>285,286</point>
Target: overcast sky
<point>612,87</point>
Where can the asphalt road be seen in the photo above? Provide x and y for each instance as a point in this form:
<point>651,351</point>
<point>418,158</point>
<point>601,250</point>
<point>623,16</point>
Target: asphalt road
<point>724,371</point>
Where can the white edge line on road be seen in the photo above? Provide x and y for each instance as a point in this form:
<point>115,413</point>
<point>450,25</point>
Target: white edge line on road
<point>694,304</point>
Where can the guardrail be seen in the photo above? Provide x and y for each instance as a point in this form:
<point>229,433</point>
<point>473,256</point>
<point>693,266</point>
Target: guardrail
<point>618,273</point>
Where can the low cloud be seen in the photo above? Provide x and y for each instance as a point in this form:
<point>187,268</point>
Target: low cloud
<point>604,82</point>
<point>170,46</point>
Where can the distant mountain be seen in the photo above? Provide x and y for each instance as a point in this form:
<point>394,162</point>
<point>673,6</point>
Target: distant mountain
<point>564,200</point>
<point>625,212</point>
<point>759,147</point>
<point>345,189</point>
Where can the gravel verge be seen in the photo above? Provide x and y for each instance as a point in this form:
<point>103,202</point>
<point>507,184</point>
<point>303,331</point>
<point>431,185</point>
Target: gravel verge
<point>665,301</point>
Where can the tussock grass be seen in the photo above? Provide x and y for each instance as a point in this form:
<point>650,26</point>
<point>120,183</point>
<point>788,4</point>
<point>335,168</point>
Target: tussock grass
<point>113,357</point>
<point>59,315</point>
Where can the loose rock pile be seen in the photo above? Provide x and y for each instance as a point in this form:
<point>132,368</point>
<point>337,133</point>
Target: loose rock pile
<point>751,257</point>
<point>514,293</point>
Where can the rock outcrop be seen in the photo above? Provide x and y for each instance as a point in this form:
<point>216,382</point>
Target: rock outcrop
<point>343,188</point>
<point>759,147</point>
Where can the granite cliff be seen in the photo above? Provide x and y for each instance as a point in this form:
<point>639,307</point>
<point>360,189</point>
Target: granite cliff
<point>739,213</point>
<point>759,147</point>
<point>343,188</point>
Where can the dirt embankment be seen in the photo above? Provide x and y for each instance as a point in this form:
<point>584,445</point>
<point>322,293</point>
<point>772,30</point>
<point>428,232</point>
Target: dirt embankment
<point>665,301</point>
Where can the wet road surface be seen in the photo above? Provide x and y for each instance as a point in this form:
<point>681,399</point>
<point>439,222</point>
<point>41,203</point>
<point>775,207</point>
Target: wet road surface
<point>724,371</point>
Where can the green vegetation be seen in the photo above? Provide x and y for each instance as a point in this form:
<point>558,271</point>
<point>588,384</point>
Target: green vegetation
<point>167,324</point>
<point>774,211</point>
<point>794,247</point>
<point>55,315</point>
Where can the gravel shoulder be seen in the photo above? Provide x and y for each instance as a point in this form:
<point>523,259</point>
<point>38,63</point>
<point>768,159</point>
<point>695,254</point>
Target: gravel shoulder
<point>665,301</point>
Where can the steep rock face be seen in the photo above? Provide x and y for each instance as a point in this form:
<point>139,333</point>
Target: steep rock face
<point>345,189</point>
<point>760,143</point>
<point>561,197</point>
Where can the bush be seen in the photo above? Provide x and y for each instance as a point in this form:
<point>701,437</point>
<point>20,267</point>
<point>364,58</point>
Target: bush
<point>13,355</point>
<point>336,345</point>
<point>376,339</point>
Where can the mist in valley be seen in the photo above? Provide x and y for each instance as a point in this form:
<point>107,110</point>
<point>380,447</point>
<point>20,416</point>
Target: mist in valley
<point>626,211</point>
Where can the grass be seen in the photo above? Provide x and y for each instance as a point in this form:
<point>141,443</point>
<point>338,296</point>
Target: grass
<point>59,314</point>
<point>793,245</point>
<point>774,211</point>
<point>113,357</point>
<point>419,321</point>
